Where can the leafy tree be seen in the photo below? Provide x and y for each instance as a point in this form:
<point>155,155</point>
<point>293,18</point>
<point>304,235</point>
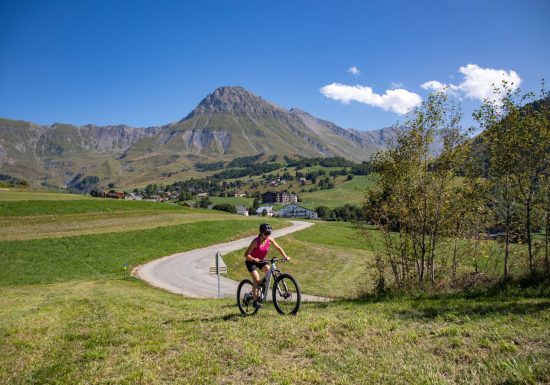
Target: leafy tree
<point>204,202</point>
<point>517,131</point>
<point>256,203</point>
<point>545,204</point>
<point>225,207</point>
<point>323,212</point>
<point>365,168</point>
<point>417,195</point>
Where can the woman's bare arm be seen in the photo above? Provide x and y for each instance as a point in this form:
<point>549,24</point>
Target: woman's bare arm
<point>279,249</point>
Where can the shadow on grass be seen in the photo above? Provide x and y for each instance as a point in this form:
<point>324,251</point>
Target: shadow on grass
<point>225,318</point>
<point>466,309</point>
<point>454,307</point>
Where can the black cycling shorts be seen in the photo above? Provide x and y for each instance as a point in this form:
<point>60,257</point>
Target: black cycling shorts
<point>251,266</point>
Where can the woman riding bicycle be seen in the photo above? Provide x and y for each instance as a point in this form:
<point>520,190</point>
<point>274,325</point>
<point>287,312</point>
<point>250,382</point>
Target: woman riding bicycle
<point>255,255</point>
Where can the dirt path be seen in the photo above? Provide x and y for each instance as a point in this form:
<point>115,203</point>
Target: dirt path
<point>188,273</point>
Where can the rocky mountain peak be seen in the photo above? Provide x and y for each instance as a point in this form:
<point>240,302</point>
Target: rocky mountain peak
<point>232,100</point>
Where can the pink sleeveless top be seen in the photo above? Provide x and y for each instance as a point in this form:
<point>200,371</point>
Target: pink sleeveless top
<point>260,251</point>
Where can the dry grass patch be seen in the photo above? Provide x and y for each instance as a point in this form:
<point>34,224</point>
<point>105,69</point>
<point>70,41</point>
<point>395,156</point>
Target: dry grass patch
<point>57,226</point>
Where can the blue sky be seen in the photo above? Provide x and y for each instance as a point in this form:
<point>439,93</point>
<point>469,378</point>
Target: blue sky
<point>147,63</point>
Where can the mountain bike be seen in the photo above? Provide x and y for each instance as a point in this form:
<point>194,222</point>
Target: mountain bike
<point>286,292</point>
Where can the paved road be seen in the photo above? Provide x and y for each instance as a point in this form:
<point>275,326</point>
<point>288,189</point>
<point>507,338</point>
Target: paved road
<point>188,273</point>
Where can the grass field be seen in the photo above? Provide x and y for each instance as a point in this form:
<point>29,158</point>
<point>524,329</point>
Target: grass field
<point>123,332</point>
<point>14,194</point>
<point>352,192</point>
<point>68,314</point>
<point>233,201</point>
<point>96,205</point>
<point>329,259</point>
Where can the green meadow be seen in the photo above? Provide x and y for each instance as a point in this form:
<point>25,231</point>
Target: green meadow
<point>14,194</point>
<point>330,260</point>
<point>70,314</point>
<point>352,192</point>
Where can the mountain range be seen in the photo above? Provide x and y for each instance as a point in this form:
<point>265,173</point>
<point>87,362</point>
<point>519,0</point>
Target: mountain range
<point>230,122</point>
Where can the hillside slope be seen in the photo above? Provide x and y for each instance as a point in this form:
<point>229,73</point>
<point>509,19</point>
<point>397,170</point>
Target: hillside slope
<point>230,122</point>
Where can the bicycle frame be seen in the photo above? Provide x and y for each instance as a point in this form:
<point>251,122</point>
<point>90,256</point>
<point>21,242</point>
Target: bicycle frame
<point>273,272</point>
<point>266,281</point>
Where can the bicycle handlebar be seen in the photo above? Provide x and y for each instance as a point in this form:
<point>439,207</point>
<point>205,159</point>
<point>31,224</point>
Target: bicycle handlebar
<point>278,260</point>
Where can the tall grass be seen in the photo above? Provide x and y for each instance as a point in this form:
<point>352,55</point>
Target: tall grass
<point>122,332</point>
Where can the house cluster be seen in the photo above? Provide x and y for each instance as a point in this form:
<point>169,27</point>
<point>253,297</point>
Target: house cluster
<point>274,182</point>
<point>289,211</point>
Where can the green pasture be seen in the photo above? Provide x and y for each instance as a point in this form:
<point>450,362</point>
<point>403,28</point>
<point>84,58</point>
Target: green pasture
<point>69,314</point>
<point>243,201</point>
<point>102,255</point>
<point>352,192</point>
<point>120,331</point>
<point>95,205</point>
<point>330,260</point>
<point>13,194</point>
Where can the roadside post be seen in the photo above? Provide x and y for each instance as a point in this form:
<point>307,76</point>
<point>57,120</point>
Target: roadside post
<point>125,268</point>
<point>218,268</point>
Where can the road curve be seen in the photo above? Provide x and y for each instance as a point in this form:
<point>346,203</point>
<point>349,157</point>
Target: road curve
<point>188,273</point>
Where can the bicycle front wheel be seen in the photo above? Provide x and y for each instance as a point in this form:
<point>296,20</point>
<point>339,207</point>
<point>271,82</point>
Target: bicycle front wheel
<point>286,294</point>
<point>245,299</point>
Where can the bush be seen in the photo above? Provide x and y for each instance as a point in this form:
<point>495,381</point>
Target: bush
<point>225,207</point>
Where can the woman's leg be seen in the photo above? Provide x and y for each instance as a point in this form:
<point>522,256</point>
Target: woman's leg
<point>255,283</point>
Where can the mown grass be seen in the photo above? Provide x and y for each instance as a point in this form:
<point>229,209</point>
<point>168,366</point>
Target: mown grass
<point>97,205</point>
<point>102,255</point>
<point>64,225</point>
<point>15,194</point>
<point>123,332</point>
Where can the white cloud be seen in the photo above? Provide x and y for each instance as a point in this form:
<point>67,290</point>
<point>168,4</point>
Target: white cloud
<point>354,71</point>
<point>478,83</point>
<point>436,86</point>
<point>398,100</point>
<point>433,85</point>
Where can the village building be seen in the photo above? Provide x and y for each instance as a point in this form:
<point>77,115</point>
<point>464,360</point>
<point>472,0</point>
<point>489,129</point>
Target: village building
<point>278,197</point>
<point>296,211</point>
<point>242,210</point>
<point>269,210</point>
<point>134,197</point>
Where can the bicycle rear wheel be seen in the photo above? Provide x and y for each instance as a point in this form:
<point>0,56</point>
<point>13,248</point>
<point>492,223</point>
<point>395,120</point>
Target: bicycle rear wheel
<point>245,299</point>
<point>287,296</point>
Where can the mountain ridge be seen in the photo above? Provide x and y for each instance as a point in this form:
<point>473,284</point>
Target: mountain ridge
<point>229,122</point>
